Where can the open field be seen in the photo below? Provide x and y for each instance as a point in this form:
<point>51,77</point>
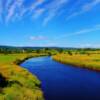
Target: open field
<point>90,61</point>
<point>17,83</point>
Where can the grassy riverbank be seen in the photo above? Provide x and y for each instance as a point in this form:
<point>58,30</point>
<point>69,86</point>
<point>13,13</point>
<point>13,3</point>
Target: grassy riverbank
<point>17,83</point>
<point>90,61</point>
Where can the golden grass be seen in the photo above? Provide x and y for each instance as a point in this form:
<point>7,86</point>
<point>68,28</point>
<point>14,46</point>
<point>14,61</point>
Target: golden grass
<point>91,61</point>
<point>21,85</point>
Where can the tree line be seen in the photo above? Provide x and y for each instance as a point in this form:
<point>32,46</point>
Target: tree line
<point>49,50</point>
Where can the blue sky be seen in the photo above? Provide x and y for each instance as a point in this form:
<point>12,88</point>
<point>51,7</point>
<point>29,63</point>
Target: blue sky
<point>62,23</point>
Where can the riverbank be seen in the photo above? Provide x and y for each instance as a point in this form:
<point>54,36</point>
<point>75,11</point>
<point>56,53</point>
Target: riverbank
<point>16,83</point>
<point>91,61</point>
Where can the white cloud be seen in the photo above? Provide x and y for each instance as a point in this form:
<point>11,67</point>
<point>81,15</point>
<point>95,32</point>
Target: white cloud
<point>89,6</point>
<point>1,11</point>
<point>81,32</point>
<point>38,38</point>
<point>36,4</point>
<point>84,8</point>
<point>88,45</point>
<point>17,9</point>
<point>38,12</point>
<point>14,7</point>
<point>49,44</point>
<point>8,2</point>
<point>85,45</point>
<point>53,9</point>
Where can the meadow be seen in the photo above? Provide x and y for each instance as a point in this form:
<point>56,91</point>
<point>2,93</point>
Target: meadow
<point>16,83</point>
<point>89,60</point>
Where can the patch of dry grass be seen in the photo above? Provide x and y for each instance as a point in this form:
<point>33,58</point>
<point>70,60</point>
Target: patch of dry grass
<point>91,61</point>
<point>21,85</point>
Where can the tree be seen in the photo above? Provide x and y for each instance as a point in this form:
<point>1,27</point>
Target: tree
<point>69,52</point>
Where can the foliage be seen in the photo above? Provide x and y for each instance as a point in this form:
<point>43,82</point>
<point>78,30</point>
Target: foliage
<point>13,50</point>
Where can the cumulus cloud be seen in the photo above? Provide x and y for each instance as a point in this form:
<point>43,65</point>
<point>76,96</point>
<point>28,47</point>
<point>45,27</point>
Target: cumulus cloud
<point>38,38</point>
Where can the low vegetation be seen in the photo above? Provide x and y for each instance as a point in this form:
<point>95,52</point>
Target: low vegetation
<point>17,83</point>
<point>84,59</point>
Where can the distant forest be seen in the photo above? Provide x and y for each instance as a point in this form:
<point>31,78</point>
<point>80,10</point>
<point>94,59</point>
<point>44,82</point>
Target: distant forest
<point>49,50</point>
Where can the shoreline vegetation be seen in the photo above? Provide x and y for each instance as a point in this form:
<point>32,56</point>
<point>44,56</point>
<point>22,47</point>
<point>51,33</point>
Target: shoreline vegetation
<point>16,83</point>
<point>89,60</point>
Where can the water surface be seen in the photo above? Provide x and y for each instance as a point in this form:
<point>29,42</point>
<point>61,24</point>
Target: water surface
<point>64,82</point>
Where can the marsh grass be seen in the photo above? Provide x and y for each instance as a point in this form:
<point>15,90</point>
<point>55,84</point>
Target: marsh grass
<point>91,61</point>
<point>19,83</point>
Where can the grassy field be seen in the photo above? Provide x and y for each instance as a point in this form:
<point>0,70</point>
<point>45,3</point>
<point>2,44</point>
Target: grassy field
<point>90,61</point>
<point>17,83</point>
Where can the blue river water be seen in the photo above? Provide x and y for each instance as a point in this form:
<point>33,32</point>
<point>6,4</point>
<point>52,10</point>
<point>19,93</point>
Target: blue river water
<point>64,82</point>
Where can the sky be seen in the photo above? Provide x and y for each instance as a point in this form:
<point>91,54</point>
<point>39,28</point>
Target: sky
<point>50,23</point>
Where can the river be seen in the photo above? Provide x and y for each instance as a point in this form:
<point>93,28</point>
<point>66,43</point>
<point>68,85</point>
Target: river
<point>64,82</point>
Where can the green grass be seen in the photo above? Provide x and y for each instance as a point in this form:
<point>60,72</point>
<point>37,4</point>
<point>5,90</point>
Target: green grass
<point>9,58</point>
<point>21,85</point>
